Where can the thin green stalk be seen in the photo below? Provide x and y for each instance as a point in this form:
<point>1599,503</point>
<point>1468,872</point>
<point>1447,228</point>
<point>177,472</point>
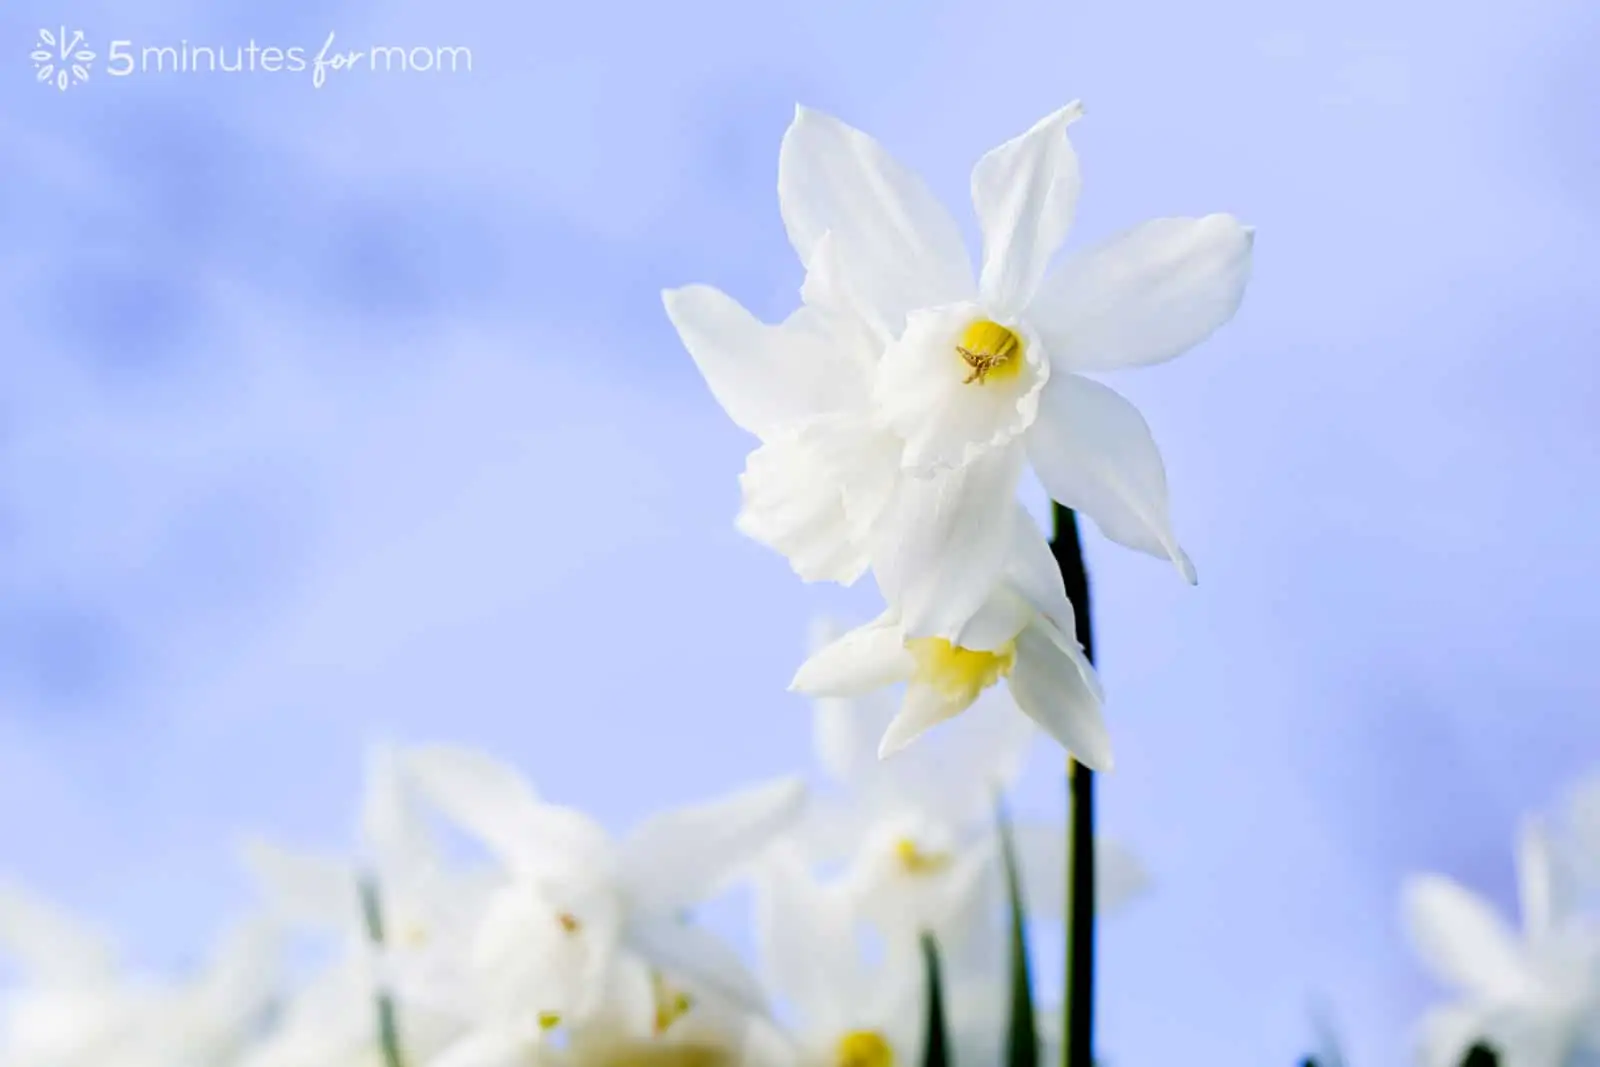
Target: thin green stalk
<point>936,1046</point>
<point>1022,1036</point>
<point>388,1026</point>
<point>1077,1045</point>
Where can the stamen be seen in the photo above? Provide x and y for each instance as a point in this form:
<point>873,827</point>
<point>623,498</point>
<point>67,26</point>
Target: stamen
<point>991,350</point>
<point>569,922</point>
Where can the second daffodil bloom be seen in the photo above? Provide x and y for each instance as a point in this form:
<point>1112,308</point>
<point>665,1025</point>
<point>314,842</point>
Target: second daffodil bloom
<point>1534,998</point>
<point>968,377</point>
<point>1023,633</point>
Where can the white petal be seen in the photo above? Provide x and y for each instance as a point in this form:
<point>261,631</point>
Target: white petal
<point>678,858</point>
<point>240,979</point>
<point>845,732</point>
<point>1042,858</point>
<point>806,941</point>
<point>1145,296</point>
<point>393,832</point>
<point>1535,881</point>
<point>49,944</point>
<point>924,707</point>
<point>302,888</point>
<point>835,291</point>
<point>924,394</point>
<point>495,803</point>
<point>1094,454</point>
<point>866,658</point>
<point>763,376</point>
<point>694,956</point>
<point>907,249</point>
<point>793,506</point>
<point>526,959</point>
<point>941,545</point>
<point>1461,940</point>
<point>997,623</point>
<point>488,1047</point>
<point>1057,688</point>
<point>1033,572</point>
<point>1025,193</point>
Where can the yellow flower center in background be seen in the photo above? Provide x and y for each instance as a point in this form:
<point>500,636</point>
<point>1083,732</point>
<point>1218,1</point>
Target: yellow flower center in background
<point>958,673</point>
<point>916,861</point>
<point>863,1048</point>
<point>991,351</point>
<point>569,922</point>
<point>549,1020</point>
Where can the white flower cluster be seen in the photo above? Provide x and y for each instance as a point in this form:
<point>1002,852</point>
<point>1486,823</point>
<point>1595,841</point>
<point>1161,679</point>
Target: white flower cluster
<point>899,405</point>
<point>479,925</point>
<point>1530,995</point>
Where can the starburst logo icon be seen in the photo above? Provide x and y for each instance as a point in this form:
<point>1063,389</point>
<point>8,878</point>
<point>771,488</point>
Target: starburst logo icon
<point>61,58</point>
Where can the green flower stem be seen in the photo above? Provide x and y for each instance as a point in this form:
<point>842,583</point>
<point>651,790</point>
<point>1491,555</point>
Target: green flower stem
<point>388,1027</point>
<point>1078,997</point>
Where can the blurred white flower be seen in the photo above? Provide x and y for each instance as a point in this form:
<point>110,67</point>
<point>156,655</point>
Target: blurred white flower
<point>424,912</point>
<point>573,902</point>
<point>848,1011</point>
<point>1024,633</point>
<point>1533,995</point>
<point>77,1007</point>
<point>900,360</point>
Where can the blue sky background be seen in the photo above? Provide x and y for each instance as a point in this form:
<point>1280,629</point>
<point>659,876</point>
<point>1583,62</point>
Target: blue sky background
<point>335,415</point>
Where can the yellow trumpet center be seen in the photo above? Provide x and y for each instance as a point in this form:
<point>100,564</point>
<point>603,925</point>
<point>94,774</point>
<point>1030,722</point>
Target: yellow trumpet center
<point>549,1020</point>
<point>863,1048</point>
<point>990,351</point>
<point>915,861</point>
<point>959,673</point>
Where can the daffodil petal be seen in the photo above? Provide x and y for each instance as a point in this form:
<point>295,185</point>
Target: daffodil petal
<point>678,858</point>
<point>495,803</point>
<point>763,376</point>
<point>924,707</point>
<point>806,942</point>
<point>1056,687</point>
<point>695,957</point>
<point>488,1046</point>
<point>1094,453</point>
<point>1145,296</point>
<point>1042,856</point>
<point>907,250</point>
<point>1535,880</point>
<point>303,888</point>
<point>861,660</point>
<point>792,504</point>
<point>941,545</point>
<point>47,943</point>
<point>1025,193</point>
<point>1461,939</point>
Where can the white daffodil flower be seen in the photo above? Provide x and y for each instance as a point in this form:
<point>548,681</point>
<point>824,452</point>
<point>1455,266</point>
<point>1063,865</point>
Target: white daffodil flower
<point>423,910</point>
<point>848,1012</point>
<point>1024,633</point>
<point>78,1008</point>
<point>573,900</point>
<point>1535,999</point>
<point>899,358</point>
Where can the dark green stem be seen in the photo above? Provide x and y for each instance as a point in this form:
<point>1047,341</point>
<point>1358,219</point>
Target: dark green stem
<point>1078,996</point>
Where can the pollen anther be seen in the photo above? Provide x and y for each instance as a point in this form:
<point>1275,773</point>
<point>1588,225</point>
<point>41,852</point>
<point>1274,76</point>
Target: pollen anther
<point>990,350</point>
